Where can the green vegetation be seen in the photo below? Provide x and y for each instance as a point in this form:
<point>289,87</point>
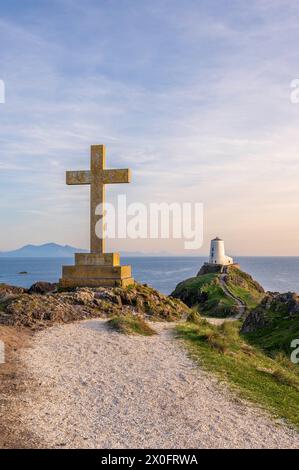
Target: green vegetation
<point>273,384</point>
<point>194,317</point>
<point>241,285</point>
<point>207,294</point>
<point>131,325</point>
<point>277,337</point>
<point>278,331</point>
<point>152,303</point>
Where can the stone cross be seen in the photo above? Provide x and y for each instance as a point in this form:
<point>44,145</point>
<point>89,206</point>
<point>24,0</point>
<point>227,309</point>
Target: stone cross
<point>97,177</point>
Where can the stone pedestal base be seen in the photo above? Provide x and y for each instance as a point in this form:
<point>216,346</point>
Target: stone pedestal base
<point>95,270</point>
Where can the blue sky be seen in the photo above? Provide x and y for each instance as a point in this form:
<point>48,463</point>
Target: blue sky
<point>194,96</point>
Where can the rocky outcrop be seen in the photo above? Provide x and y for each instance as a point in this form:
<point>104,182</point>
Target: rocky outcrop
<point>273,307</point>
<point>36,310</point>
<point>208,268</point>
<point>42,288</point>
<point>274,323</point>
<point>8,292</point>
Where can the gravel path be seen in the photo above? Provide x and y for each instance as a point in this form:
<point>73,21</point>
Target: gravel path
<point>100,389</point>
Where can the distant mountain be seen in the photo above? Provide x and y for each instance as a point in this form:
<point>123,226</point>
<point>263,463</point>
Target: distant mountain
<point>48,250</point>
<point>53,250</point>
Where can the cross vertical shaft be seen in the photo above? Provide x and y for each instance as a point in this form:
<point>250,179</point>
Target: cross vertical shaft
<point>97,177</point>
<point>97,196</point>
<point>97,268</point>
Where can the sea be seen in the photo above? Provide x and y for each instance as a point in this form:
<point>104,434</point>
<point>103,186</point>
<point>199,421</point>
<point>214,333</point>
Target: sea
<point>279,274</point>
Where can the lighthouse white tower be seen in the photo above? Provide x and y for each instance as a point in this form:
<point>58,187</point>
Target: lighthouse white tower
<point>217,253</point>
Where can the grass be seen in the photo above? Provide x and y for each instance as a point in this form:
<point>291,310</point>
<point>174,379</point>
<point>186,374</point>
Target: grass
<point>218,303</point>
<point>206,292</point>
<point>194,283</point>
<point>271,383</point>
<point>131,325</point>
<point>244,287</point>
<point>194,316</point>
<point>243,294</point>
<point>277,336</point>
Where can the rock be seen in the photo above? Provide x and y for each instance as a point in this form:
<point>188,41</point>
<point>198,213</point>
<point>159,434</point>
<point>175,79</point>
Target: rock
<point>256,319</point>
<point>7,292</point>
<point>152,303</point>
<point>209,269</point>
<point>273,306</point>
<point>109,296</point>
<point>83,296</point>
<point>42,288</point>
<point>274,323</point>
<point>217,268</point>
<point>36,310</point>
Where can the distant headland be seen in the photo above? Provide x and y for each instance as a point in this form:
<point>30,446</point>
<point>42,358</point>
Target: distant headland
<point>55,250</point>
<point>47,250</point>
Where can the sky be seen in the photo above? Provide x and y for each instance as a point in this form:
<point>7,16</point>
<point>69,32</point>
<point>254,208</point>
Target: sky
<point>193,96</point>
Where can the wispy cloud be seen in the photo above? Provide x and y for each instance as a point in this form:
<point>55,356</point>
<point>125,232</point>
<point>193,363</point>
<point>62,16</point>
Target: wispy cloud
<point>192,95</point>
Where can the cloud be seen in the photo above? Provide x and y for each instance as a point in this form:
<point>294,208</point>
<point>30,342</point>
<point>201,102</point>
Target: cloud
<point>194,98</point>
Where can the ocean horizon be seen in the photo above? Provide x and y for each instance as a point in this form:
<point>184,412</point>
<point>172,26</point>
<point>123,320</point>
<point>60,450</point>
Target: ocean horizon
<point>274,273</point>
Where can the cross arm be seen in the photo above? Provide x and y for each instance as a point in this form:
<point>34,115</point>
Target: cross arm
<point>117,176</point>
<point>78,177</point>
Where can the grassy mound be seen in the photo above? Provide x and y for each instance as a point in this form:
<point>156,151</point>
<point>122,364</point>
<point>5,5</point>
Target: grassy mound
<point>273,384</point>
<point>206,292</point>
<point>244,287</point>
<point>131,325</point>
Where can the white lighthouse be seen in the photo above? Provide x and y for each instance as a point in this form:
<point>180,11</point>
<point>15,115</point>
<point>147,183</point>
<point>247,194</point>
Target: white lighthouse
<point>217,253</point>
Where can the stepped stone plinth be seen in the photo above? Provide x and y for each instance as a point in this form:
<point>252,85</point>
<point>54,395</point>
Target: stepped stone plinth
<point>93,270</point>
